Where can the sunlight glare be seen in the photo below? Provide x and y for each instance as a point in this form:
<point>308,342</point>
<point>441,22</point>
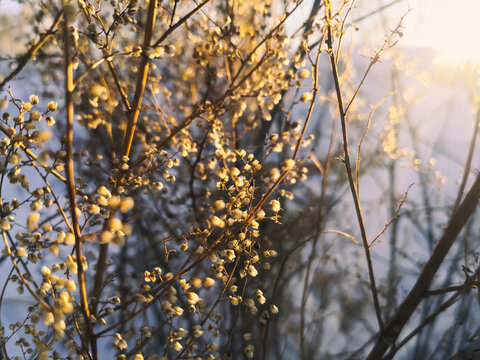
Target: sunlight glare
<point>450,27</point>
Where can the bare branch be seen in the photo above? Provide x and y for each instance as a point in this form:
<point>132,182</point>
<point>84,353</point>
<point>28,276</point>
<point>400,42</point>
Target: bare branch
<point>351,181</point>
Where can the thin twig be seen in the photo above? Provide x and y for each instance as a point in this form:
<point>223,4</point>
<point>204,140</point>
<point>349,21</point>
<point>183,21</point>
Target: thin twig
<point>119,85</point>
<point>28,152</point>
<point>217,301</point>
<point>467,285</point>
<point>347,163</point>
<point>24,281</point>
<point>376,11</point>
<point>180,22</point>
<point>340,38</point>
<point>4,347</point>
<point>359,148</point>
<point>33,50</point>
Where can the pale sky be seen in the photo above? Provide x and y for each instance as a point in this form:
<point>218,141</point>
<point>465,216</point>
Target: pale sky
<point>451,27</point>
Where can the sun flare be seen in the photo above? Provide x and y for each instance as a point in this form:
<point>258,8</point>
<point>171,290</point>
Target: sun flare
<point>450,27</point>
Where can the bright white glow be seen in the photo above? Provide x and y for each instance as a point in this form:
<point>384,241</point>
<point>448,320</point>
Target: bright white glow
<point>450,27</point>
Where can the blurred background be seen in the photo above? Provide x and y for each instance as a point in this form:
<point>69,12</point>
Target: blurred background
<point>421,99</point>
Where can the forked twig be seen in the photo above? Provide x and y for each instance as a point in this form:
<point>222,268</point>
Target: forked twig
<point>394,217</point>
<point>180,22</point>
<point>359,148</point>
<point>376,57</point>
<point>458,219</point>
